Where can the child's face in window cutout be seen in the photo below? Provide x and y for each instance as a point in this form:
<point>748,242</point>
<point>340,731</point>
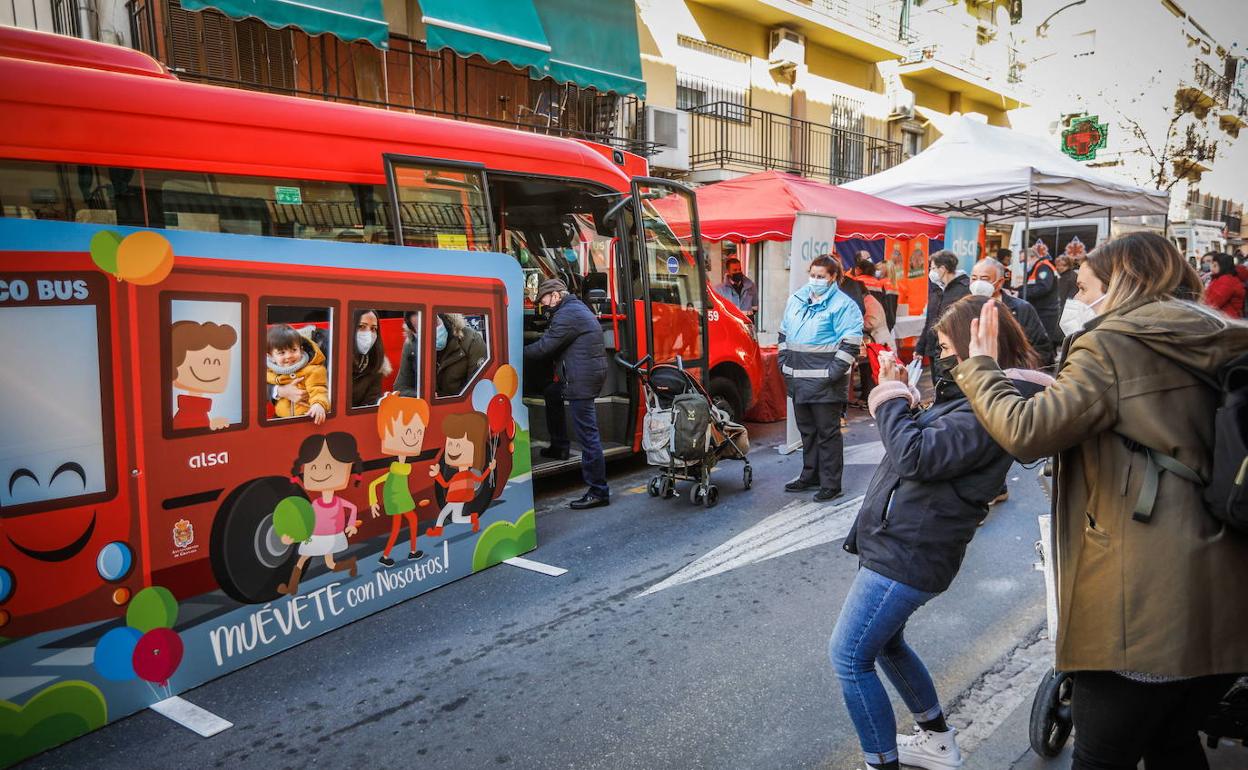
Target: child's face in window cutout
<point>404,438</point>
<point>206,370</point>
<point>285,356</point>
<point>460,453</point>
<point>325,473</point>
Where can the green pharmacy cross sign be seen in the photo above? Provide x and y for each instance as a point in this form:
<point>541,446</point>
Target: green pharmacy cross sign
<point>1084,137</point>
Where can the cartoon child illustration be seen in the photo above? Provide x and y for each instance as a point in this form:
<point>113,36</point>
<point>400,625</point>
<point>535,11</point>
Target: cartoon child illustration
<point>295,360</point>
<point>466,437</point>
<point>918,258</point>
<point>326,464</point>
<point>200,353</point>
<point>401,422</point>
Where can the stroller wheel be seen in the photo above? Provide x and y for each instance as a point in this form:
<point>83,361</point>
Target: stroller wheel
<point>747,477</point>
<point>1051,720</point>
<point>696,494</point>
<point>655,487</point>
<point>711,496</point>
<point>667,487</point>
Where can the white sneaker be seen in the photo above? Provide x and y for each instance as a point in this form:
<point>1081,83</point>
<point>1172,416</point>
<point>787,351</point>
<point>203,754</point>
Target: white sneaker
<point>930,750</point>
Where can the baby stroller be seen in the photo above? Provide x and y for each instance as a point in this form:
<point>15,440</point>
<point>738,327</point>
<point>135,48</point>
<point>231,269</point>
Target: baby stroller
<point>685,435</point>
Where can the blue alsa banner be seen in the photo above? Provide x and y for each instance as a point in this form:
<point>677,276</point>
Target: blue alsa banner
<point>216,447</point>
<point>962,238</point>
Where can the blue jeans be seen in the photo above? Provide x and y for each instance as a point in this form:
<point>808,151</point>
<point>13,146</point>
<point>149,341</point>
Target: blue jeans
<point>593,463</point>
<point>870,629</point>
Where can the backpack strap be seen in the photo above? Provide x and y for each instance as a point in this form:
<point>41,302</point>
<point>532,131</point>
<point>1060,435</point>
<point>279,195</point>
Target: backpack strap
<point>1155,463</point>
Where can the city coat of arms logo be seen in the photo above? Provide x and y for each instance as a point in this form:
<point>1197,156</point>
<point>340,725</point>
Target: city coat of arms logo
<point>183,533</point>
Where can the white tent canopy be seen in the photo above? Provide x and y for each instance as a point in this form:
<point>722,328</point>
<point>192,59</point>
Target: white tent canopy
<point>1001,175</point>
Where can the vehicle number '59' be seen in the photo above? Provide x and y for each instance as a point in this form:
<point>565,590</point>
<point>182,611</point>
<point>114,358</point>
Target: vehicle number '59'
<point>712,315</point>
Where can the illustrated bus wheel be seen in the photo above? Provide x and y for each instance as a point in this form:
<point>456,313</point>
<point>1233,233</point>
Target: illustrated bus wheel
<point>695,494</point>
<point>711,496</point>
<point>725,395</point>
<point>1051,720</point>
<point>655,487</point>
<point>747,477</point>
<point>249,559</point>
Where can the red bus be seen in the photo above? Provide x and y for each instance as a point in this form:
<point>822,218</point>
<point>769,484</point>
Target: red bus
<point>97,133</point>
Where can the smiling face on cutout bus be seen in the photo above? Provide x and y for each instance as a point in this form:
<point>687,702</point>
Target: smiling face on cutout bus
<point>145,462</point>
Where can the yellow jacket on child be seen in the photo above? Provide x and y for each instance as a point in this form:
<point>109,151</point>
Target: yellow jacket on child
<point>315,382</point>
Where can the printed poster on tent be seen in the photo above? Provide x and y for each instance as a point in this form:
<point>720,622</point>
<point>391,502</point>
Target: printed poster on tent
<point>219,446</point>
<point>962,237</point>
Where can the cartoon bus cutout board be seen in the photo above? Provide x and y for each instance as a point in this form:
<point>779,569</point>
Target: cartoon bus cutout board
<point>172,509</point>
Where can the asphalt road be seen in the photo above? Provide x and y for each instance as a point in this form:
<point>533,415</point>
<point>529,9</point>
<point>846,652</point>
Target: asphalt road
<point>515,668</point>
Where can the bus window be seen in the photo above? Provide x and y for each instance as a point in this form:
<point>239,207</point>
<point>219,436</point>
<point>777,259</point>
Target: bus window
<point>393,363</point>
<point>297,357</point>
<point>675,284</point>
<point>462,342</point>
<point>176,200</point>
<point>92,194</point>
<point>55,401</point>
<point>204,365</point>
<point>441,207</point>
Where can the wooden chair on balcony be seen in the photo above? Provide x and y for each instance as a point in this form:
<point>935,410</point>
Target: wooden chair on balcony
<point>547,111</point>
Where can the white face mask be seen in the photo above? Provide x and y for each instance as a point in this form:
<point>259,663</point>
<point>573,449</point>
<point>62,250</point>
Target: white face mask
<point>818,286</point>
<point>982,288</point>
<point>1077,314</point>
<point>933,275</point>
<point>364,341</point>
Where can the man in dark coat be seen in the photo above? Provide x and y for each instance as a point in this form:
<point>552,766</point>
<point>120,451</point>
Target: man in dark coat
<point>946,284</point>
<point>1042,292</point>
<point>992,272</point>
<point>574,340</point>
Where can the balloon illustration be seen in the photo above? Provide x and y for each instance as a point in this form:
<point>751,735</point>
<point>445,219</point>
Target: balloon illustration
<point>157,655</point>
<point>506,380</point>
<point>104,250</point>
<point>293,517</point>
<point>114,653</point>
<point>144,258</point>
<point>499,413</point>
<point>153,607</point>
<point>481,395</point>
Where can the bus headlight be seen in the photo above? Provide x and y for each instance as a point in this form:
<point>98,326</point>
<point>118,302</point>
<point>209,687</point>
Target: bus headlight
<point>6,585</point>
<point>114,561</point>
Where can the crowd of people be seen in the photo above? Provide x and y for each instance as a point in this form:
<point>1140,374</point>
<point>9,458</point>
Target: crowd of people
<point>1104,366</point>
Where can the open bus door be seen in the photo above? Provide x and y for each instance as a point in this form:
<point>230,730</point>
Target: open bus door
<point>670,309</point>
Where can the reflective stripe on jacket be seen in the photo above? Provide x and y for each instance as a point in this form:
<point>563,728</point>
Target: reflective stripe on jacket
<point>819,341</point>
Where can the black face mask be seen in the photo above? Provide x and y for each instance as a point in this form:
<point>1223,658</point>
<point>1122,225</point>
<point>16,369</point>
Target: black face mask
<point>737,279</point>
<point>942,373</point>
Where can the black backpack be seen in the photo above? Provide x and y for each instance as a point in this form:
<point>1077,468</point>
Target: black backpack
<point>691,425</point>
<point>1226,489</point>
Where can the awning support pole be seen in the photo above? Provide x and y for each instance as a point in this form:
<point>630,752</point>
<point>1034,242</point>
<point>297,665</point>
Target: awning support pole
<point>1026,236</point>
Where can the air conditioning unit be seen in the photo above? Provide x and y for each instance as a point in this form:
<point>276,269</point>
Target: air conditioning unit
<point>669,129</point>
<point>788,48</point>
<point>901,104</point>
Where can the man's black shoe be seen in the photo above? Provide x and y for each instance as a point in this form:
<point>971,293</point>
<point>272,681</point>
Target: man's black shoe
<point>590,500</point>
<point>824,494</point>
<point>552,453</point>
<point>797,485</point>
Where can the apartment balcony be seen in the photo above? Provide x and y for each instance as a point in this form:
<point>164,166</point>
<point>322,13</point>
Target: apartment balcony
<point>956,69</point>
<point>731,138</point>
<point>209,47</point>
<point>1203,90</point>
<point>1233,115</point>
<point>870,30</point>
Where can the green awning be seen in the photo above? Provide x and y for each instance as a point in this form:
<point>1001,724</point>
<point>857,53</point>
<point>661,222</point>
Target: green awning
<point>593,43</point>
<point>499,30</point>
<point>348,19</point>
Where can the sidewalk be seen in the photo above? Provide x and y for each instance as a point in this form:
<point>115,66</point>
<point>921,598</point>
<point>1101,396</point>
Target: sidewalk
<point>1007,749</point>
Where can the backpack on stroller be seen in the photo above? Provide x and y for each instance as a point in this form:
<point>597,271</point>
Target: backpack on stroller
<point>685,435</point>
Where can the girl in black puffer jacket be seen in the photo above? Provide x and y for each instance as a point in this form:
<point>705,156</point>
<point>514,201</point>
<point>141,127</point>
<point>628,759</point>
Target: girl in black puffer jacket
<point>928,496</point>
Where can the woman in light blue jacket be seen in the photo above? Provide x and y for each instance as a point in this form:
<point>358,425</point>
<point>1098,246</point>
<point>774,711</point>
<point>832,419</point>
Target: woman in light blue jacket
<point>819,341</point>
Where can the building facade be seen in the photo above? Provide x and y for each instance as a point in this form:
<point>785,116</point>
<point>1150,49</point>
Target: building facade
<point>1162,91</point>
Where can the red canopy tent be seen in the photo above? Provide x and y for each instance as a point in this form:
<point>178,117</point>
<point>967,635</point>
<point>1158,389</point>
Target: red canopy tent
<point>761,207</point>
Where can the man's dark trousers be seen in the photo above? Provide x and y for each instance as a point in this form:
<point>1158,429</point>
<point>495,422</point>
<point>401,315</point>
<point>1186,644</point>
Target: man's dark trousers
<point>593,463</point>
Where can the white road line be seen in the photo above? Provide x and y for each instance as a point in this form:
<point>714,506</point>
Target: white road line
<point>535,566</point>
<point>870,453</point>
<point>1012,680</point>
<point>797,526</point>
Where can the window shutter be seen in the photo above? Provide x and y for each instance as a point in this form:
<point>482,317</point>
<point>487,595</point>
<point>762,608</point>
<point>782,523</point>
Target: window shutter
<point>220,45</point>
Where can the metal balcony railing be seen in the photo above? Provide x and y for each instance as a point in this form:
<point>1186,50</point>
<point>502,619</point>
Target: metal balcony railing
<point>1208,80</point>
<point>882,18</point>
<point>416,80</point>
<point>754,139</point>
